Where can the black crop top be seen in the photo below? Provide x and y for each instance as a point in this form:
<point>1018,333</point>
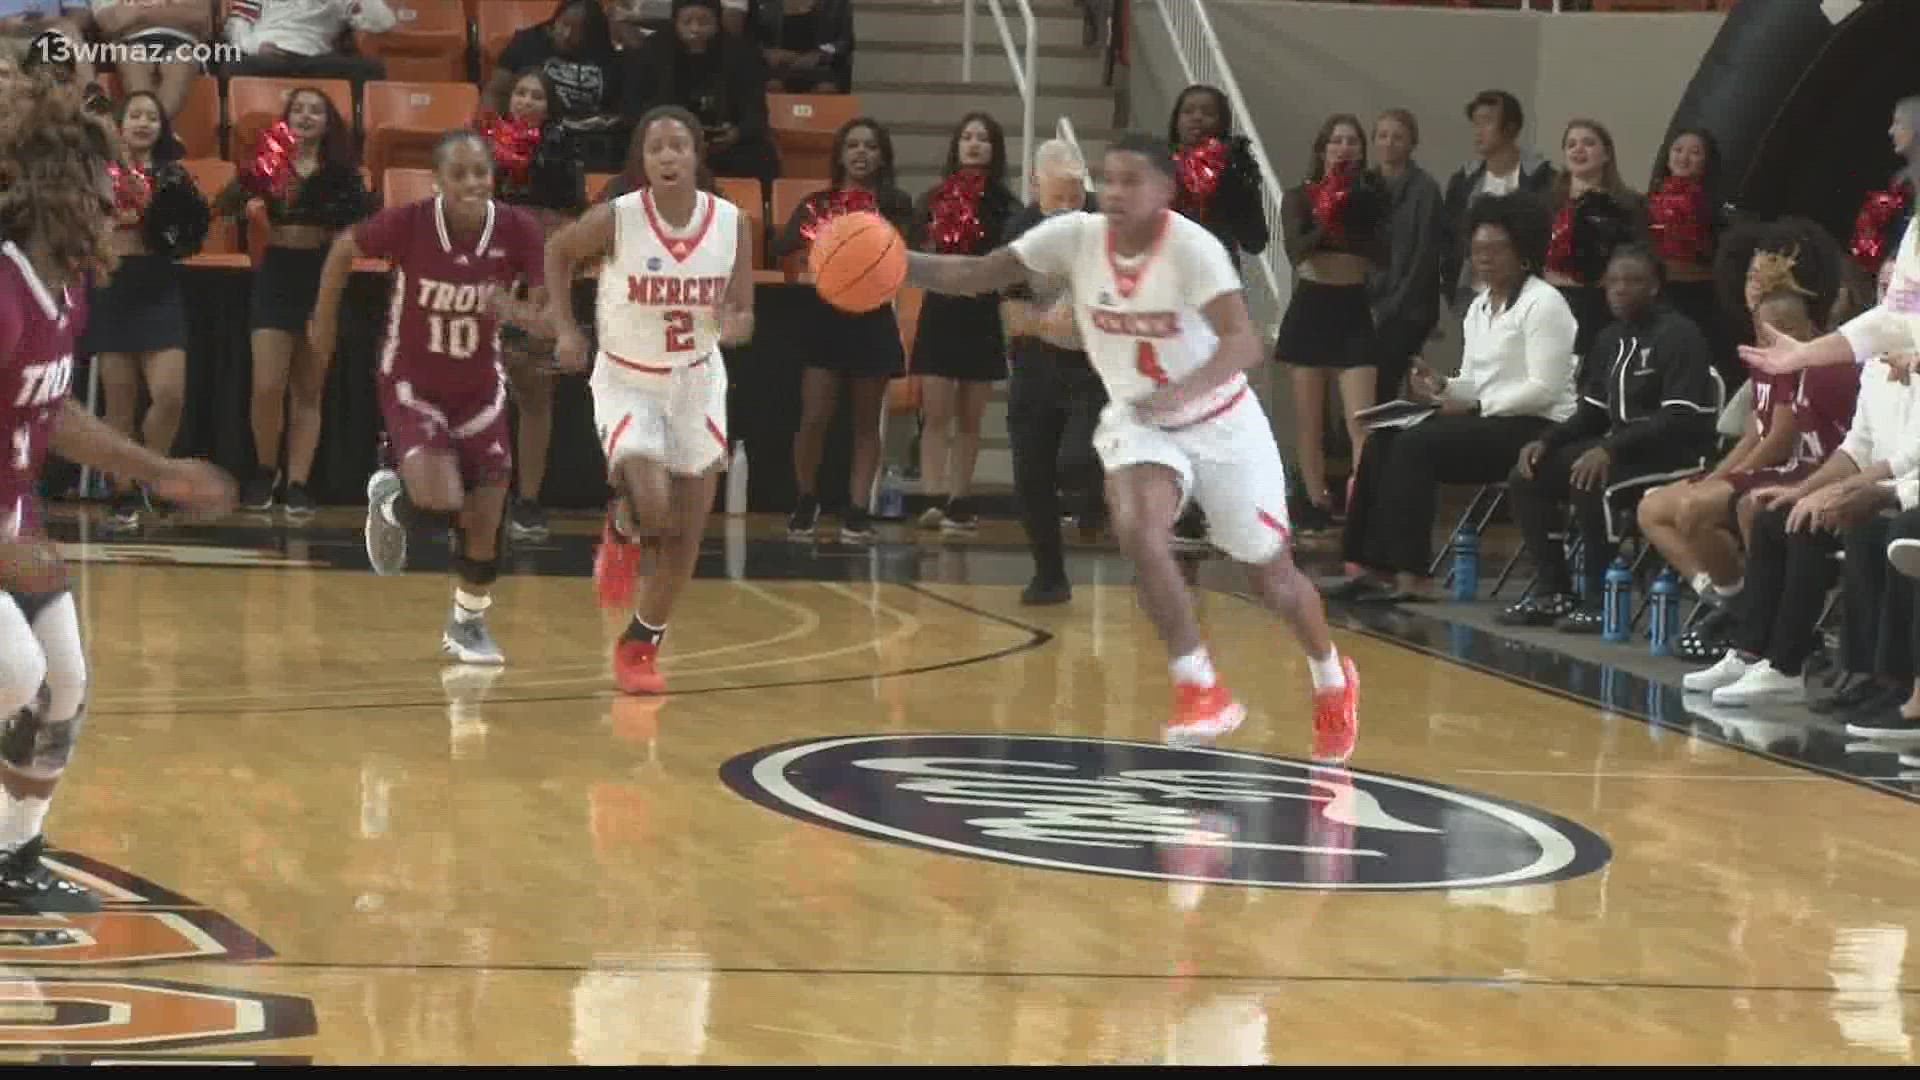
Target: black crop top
<point>332,198</point>
<point>1362,223</point>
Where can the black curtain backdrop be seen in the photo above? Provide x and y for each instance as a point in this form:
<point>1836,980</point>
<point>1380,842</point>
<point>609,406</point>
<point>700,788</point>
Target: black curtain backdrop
<point>763,406</point>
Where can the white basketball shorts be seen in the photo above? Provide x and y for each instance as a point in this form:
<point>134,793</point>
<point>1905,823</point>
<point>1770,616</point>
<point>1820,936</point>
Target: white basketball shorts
<point>1228,463</point>
<point>677,417</point>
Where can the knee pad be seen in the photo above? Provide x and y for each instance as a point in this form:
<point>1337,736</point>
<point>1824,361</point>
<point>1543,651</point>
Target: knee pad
<point>37,745</point>
<point>477,571</point>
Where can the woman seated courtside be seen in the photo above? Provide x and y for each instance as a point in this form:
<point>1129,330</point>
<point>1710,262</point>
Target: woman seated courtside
<point>1516,380</point>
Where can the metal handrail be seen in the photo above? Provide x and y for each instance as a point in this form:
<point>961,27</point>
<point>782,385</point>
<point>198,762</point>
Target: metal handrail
<point>1024,75</point>
<point>1203,61</point>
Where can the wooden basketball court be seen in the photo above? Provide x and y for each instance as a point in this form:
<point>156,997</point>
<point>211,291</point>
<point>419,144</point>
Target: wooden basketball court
<point>888,815</point>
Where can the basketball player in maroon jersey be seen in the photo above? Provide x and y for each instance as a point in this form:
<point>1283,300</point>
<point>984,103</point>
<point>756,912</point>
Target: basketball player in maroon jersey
<point>443,389</point>
<point>676,284</point>
<point>56,207</point>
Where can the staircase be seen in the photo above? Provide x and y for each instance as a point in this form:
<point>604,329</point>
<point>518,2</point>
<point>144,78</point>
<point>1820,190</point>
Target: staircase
<point>907,72</point>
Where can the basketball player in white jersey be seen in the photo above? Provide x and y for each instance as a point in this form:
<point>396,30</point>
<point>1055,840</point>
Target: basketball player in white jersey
<point>1160,309</point>
<point>677,282</point>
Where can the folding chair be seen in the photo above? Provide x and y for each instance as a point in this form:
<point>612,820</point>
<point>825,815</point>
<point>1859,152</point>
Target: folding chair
<point>1493,495</point>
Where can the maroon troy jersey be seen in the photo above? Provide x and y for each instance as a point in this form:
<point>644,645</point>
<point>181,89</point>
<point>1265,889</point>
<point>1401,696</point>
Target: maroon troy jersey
<point>1823,410</point>
<point>441,332</point>
<point>38,329</point>
<point>1770,392</point>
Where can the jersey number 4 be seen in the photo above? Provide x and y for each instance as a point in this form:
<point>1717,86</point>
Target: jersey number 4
<point>679,331</point>
<point>457,337</point>
<point>1147,362</point>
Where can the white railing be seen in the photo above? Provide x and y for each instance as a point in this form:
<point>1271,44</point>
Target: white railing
<point>1202,61</point>
<point>1064,132</point>
<point>1025,75</point>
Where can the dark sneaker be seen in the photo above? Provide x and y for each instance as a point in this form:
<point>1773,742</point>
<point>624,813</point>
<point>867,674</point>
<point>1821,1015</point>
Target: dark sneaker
<point>1042,593</point>
<point>258,492</point>
<point>126,511</point>
<point>299,504</point>
<point>527,522</point>
<point>856,527</point>
<point>1539,611</point>
<point>805,518</point>
<point>26,882</point>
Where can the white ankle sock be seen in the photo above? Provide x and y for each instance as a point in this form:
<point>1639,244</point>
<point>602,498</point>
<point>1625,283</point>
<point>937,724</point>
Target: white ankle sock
<point>1194,669</point>
<point>470,606</point>
<point>1702,582</point>
<point>21,820</point>
<point>1327,672</point>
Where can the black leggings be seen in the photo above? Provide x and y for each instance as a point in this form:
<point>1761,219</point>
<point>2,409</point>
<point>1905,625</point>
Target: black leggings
<point>1396,492</point>
<point>1054,400</point>
<point>1881,631</point>
<point>1536,504</point>
<point>1788,575</point>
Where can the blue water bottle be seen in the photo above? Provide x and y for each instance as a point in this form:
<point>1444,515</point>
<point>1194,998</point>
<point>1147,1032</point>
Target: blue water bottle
<point>1618,599</point>
<point>893,495</point>
<point>1664,614</point>
<point>1466,565</point>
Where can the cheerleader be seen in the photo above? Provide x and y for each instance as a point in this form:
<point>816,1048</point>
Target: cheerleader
<point>1594,212</point>
<point>959,351</point>
<point>1884,215</point>
<point>1685,220</point>
<point>304,169</point>
<point>539,170</point>
<point>1220,183</point>
<point>1333,230</point>
<point>862,351</point>
<point>137,326</point>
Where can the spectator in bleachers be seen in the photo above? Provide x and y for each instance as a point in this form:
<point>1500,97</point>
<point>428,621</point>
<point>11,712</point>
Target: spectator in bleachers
<point>1516,380</point>
<point>1687,214</point>
<point>1221,187</point>
<point>1647,408</point>
<point>959,350</point>
<point>1700,524</point>
<point>1884,214</point>
<point>1790,565</point>
<point>1405,290</point>
<point>861,352</point>
<point>808,44</point>
<point>1054,397</point>
<point>22,22</point>
<point>306,38</point>
<point>574,50</point>
<point>323,195</point>
<point>1500,166</point>
<point>719,78</point>
<point>161,26</point>
<point>546,179</point>
<point>1594,212</point>
<point>48,58</point>
<point>1334,226</point>
<point>137,320</point>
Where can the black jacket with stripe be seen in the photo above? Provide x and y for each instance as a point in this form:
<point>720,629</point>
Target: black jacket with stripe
<point>1647,392</point>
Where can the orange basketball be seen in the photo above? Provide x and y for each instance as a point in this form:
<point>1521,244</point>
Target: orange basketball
<point>858,262</point>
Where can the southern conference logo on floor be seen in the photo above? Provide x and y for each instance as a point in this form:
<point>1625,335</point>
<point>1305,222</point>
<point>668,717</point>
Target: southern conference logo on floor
<point>1151,811</point>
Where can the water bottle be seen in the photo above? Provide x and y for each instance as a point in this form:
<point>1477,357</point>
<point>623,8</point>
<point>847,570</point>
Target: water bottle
<point>737,480</point>
<point>893,495</point>
<point>1466,565</point>
<point>1618,601</point>
<point>1664,614</point>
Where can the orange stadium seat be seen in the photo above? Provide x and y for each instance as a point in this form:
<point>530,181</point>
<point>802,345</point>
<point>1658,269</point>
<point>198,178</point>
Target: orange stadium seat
<point>211,176</point>
<point>428,42</point>
<point>803,127</point>
<point>198,122</point>
<point>497,22</point>
<point>596,183</point>
<point>745,193</point>
<point>399,187</point>
<point>404,119</point>
<point>788,193</point>
<point>254,103</point>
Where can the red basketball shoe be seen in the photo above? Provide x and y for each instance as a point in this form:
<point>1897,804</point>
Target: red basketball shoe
<point>616,566</point>
<point>1336,718</point>
<point>1202,713</point>
<point>635,670</point>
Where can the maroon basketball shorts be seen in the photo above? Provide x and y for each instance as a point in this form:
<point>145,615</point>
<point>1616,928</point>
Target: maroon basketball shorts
<point>470,422</point>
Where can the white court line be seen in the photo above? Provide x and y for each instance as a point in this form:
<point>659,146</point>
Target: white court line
<point>1808,778</point>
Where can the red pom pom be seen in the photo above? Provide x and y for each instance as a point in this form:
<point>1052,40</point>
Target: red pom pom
<point>1328,197</point>
<point>1677,218</point>
<point>834,205</point>
<point>132,191</point>
<point>1870,228</point>
<point>957,228</point>
<point>1199,168</point>
<point>513,141</point>
<point>270,173</point>
<point>1560,245</point>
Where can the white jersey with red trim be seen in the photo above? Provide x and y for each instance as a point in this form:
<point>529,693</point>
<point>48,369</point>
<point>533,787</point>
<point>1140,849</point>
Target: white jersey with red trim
<point>1141,317</point>
<point>661,288</point>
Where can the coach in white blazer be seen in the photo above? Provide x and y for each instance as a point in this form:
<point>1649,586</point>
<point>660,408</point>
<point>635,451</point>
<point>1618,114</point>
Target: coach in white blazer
<point>1517,378</point>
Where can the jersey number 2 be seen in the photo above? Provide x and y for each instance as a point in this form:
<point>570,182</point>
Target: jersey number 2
<point>679,331</point>
<point>458,338</point>
<point>1147,362</point>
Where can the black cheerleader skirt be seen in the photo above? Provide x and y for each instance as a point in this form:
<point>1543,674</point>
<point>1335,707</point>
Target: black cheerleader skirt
<point>139,310</point>
<point>864,346</point>
<point>1590,314</point>
<point>959,337</point>
<point>285,286</point>
<point>1327,326</point>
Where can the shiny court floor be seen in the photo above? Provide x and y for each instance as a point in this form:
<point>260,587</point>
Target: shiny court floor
<point>888,815</point>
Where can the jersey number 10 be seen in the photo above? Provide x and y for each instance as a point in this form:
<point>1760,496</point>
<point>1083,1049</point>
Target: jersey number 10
<point>457,337</point>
